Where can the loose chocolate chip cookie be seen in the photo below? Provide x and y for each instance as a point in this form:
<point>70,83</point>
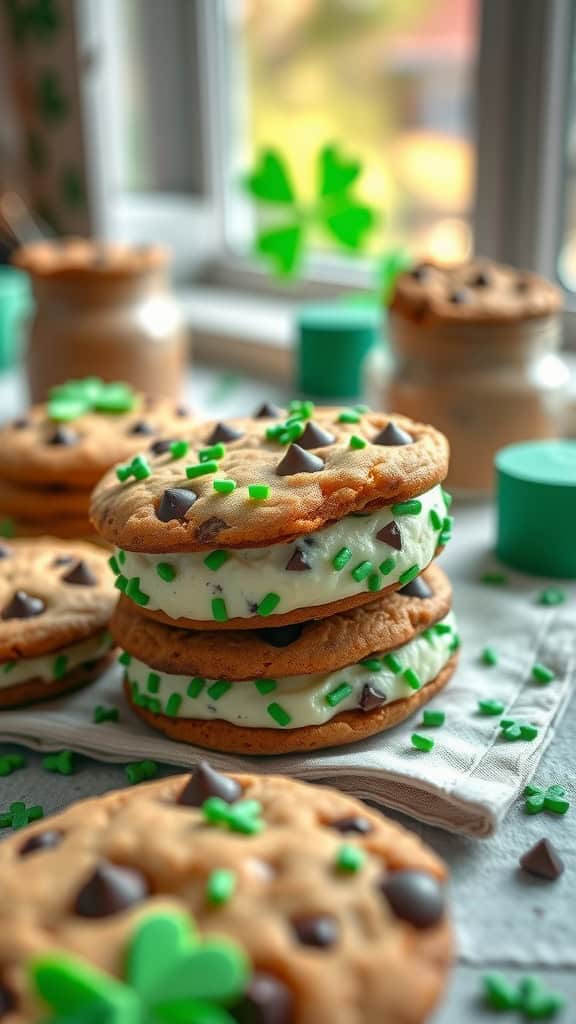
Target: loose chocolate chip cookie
<point>56,600</point>
<point>255,898</point>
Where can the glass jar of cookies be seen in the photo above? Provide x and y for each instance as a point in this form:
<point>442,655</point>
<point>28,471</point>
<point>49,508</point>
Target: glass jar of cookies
<point>103,310</point>
<point>476,352</point>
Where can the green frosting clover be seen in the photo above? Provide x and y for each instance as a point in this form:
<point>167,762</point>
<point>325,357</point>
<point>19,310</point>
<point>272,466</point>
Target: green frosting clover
<point>172,977</point>
<point>78,397</point>
<point>335,209</point>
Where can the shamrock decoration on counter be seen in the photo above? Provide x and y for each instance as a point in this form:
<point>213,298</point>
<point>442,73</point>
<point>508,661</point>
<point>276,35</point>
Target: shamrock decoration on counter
<point>339,212</point>
<point>172,977</point>
<point>77,397</point>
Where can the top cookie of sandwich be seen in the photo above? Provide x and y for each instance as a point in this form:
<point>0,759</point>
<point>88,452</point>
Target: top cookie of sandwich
<point>267,479</point>
<point>85,427</point>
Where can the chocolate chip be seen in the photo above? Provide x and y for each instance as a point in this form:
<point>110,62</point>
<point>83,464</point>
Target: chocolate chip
<point>7,1000</point>
<point>5,551</point>
<point>371,698</point>
<point>267,1001</point>
<point>223,433</point>
<point>297,562</point>
<point>63,560</point>
<point>480,280</point>
<point>205,782</point>
<point>267,411</point>
<point>543,860</point>
<point>109,890</point>
<point>21,423</point>
<point>23,606</point>
<point>315,437</point>
<point>282,636</point>
<point>458,297</point>
<point>63,436</point>
<point>209,529</point>
<point>81,575</point>
<point>162,446</point>
<point>296,460</point>
<point>392,435</point>
<point>182,410</point>
<point>319,930</point>
<point>175,503</point>
<point>353,823</point>
<point>142,427</point>
<point>41,841</point>
<point>414,896</point>
<point>416,588</point>
<point>421,272</point>
<point>390,534</point>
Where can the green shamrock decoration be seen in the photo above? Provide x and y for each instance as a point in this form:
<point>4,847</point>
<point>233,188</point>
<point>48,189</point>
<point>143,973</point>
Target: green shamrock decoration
<point>342,215</point>
<point>172,977</point>
<point>77,397</point>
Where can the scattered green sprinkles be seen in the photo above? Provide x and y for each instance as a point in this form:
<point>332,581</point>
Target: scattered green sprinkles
<point>387,566</point>
<point>121,583</point>
<point>60,764</point>
<point>435,519</point>
<point>349,416</point>
<point>424,743</point>
<point>542,674</point>
<point>220,886</point>
<point>552,596</point>
<point>219,612</point>
<point>336,696</point>
<point>218,689</point>
<point>552,799</point>
<point>201,470</point>
<point>490,707</point>
<point>409,574</point>
<point>513,730</point>
<point>166,571</point>
<point>356,443</point>
<point>195,687</point>
<point>531,997</point>
<point>407,508</point>
<point>140,771</point>
<point>113,563</point>
<point>448,499</point>
<point>496,579</point>
<point>224,486</point>
<point>103,714</point>
<point>178,449</point>
<point>242,816</point>
<point>138,468</point>
<point>305,409</point>
<point>258,492</point>
<point>341,559</point>
<point>216,451</point>
<point>18,815</point>
<point>374,582</point>
<point>350,859</point>
<point>500,994</point>
<point>265,685</point>
<point>412,678</point>
<point>153,682</point>
<point>393,663</point>
<point>8,666</point>
<point>60,666</point>
<point>372,664</point>
<point>121,556</point>
<point>362,570</point>
<point>442,628</point>
<point>433,719</point>
<point>268,604</point>
<point>215,560</point>
<point>279,714</point>
<point>173,704</point>
<point>124,658</point>
<point>489,657</point>
<point>134,592</point>
<point>11,763</point>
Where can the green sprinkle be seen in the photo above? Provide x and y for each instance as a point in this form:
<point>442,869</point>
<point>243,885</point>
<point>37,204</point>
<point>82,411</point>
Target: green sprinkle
<point>424,743</point>
<point>528,732</point>
<point>7,528</point>
<point>140,771</point>
<point>121,556</point>
<point>218,689</point>
<point>497,579</point>
<point>349,416</point>
<point>448,499</point>
<point>350,859</point>
<point>173,704</point>
<point>531,790</point>
<point>103,714</point>
<point>409,574</point>
<point>433,719</point>
<point>201,470</point>
<point>268,604</point>
<point>341,558</point>
<point>372,664</point>
<point>258,492</point>
<point>435,519</point>
<point>279,714</point>
<point>357,442</point>
<point>534,804</point>
<point>224,486</point>
<point>500,994</point>
<point>339,694</point>
<point>121,583</point>
<point>125,658</point>
<point>220,887</point>
<point>153,682</point>
<point>448,523</point>
<point>60,666</point>
<point>511,731</point>
<point>178,449</point>
<point>219,609</point>
<point>195,687</point>
<point>489,657</point>
<point>374,582</point>
<point>134,593</point>
<point>555,804</point>
<point>113,563</point>
<point>273,433</point>
<point>215,560</point>
<point>216,451</point>
<point>387,566</point>
<point>542,674</point>
<point>442,628</point>
<point>8,666</point>
<point>362,570</point>
<point>60,764</point>
<point>552,596</point>
<point>291,433</point>
<point>166,571</point>
<point>242,816</point>
<point>10,763</point>
<point>265,685</point>
<point>153,705</point>
<point>407,508</point>
<point>18,816</point>
<point>444,538</point>
<point>456,643</point>
<point>393,663</point>
<point>490,707</point>
<point>138,468</point>
<point>412,678</point>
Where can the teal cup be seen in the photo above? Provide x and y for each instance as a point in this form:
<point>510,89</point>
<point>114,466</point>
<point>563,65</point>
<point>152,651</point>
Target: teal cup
<point>333,340</point>
<point>15,304</point>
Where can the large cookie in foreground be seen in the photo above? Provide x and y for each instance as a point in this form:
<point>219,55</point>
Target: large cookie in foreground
<point>98,906</point>
<point>252,482</point>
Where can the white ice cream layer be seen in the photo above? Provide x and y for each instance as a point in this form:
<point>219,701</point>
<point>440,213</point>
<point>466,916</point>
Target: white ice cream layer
<point>51,667</point>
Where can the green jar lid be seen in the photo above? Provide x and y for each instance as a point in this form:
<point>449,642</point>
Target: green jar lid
<point>536,501</point>
<point>333,341</point>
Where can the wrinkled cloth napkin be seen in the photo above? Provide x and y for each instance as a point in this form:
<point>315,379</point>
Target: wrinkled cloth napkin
<point>470,778</point>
